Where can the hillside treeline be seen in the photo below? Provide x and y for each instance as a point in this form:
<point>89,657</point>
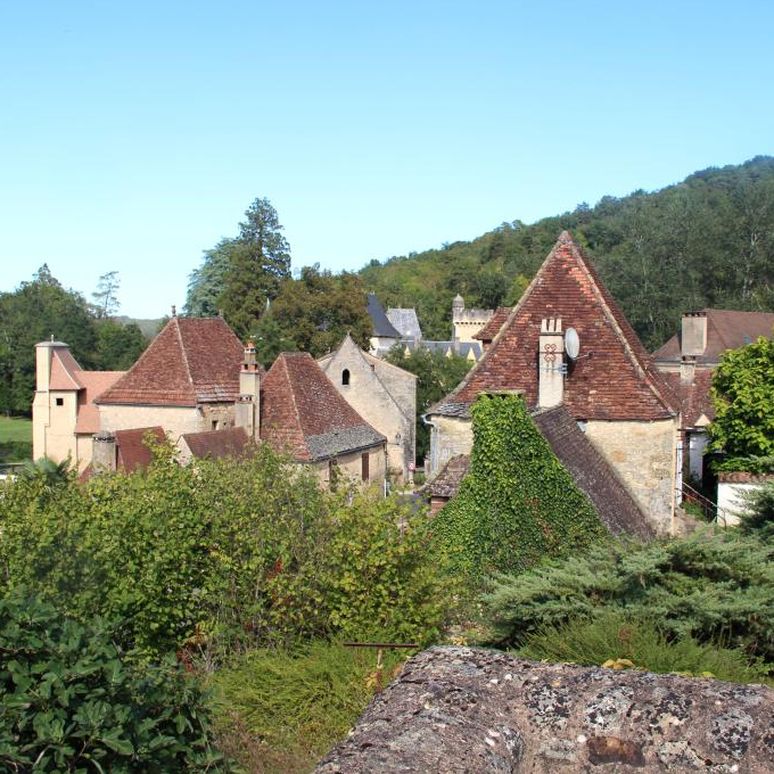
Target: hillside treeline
<point>705,242</point>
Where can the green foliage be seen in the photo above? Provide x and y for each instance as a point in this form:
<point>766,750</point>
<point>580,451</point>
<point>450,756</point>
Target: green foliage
<point>298,705</point>
<point>72,701</point>
<point>118,345</point>
<point>745,464</point>
<point>518,504</point>
<point>758,517</point>
<point>708,241</point>
<point>239,276</point>
<point>105,297</point>
<point>712,587</point>
<point>15,439</point>
<point>612,635</point>
<point>318,309</point>
<point>742,386</point>
<point>437,375</point>
<point>222,555</point>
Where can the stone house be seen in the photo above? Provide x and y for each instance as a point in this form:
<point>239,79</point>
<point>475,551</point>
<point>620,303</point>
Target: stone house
<point>610,388</point>
<point>687,361</point>
<point>466,323</point>
<point>384,395</point>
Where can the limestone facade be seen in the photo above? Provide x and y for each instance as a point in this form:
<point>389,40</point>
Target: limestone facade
<point>384,395</point>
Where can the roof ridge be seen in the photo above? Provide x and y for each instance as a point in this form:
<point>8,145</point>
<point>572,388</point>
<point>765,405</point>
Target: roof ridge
<point>186,364</point>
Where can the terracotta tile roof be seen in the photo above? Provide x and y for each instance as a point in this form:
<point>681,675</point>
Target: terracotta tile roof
<point>191,361</point>
<point>612,380</point>
<point>448,481</point>
<point>492,328</point>
<point>64,370</point>
<point>617,509</point>
<point>94,384</point>
<point>302,412</point>
<point>743,477</point>
<point>694,397</point>
<point>133,453</point>
<point>726,329</point>
<point>214,444</point>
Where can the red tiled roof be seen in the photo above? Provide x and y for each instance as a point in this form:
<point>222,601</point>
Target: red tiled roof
<point>492,328</point>
<point>214,444</point>
<point>743,477</point>
<point>191,361</point>
<point>694,397</point>
<point>64,370</point>
<point>133,452</point>
<point>304,414</point>
<point>94,384</point>
<point>726,329</point>
<point>613,378</point>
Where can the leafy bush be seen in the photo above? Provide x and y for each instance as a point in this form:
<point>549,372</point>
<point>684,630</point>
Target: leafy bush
<point>745,464</point>
<point>612,634</point>
<point>758,517</point>
<point>517,504</point>
<point>72,701</point>
<point>223,554</point>
<point>282,711</point>
<point>713,587</point>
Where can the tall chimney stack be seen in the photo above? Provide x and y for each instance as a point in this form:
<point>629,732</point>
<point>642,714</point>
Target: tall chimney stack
<point>551,363</point>
<point>103,452</point>
<point>248,407</point>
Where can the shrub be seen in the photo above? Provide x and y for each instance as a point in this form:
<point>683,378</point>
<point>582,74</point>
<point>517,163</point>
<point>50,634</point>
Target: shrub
<point>517,504</point>
<point>713,587</point>
<point>612,634</point>
<point>758,517</point>
<point>72,701</point>
<point>223,555</point>
<point>286,710</point>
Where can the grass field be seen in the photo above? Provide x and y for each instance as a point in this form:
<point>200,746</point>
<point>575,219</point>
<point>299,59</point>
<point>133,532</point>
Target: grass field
<point>15,439</point>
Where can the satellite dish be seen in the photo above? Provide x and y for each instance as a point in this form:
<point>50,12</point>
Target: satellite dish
<point>571,343</point>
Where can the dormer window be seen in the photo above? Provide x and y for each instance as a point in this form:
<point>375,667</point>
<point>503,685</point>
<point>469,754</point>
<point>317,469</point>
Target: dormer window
<point>345,377</point>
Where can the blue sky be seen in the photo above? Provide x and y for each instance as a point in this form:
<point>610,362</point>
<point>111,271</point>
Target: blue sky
<point>134,135</point>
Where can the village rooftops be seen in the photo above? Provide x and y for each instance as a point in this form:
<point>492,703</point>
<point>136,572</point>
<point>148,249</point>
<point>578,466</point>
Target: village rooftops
<point>725,329</point>
<point>406,322</point>
<point>217,444</point>
<point>191,361</point>
<point>612,379</point>
<point>496,321</point>
<point>382,327</point>
<point>304,415</point>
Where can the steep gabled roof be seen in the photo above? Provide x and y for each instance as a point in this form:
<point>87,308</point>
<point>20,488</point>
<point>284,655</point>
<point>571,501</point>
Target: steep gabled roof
<point>94,384</point>
<point>726,329</point>
<point>406,322</point>
<point>613,378</point>
<point>382,326</point>
<point>64,369</point>
<point>302,412</point>
<point>492,328</point>
<point>214,444</point>
<point>192,361</point>
<point>694,396</point>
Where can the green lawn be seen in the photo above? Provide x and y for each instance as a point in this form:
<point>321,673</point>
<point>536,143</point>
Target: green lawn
<point>15,439</point>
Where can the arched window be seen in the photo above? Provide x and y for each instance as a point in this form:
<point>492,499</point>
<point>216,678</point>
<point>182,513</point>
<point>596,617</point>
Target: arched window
<point>345,376</point>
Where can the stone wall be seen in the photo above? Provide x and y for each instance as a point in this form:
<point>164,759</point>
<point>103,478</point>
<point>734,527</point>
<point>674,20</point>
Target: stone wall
<point>175,420</point>
<point>53,433</point>
<point>472,710</point>
<point>643,456</point>
<point>449,436</point>
<point>350,466</point>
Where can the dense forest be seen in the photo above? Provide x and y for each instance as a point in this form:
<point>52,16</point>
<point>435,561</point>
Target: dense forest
<point>705,242</point>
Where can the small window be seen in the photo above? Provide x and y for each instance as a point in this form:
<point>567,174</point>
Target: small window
<point>214,424</point>
<point>60,401</point>
<point>364,472</point>
<point>345,376</point>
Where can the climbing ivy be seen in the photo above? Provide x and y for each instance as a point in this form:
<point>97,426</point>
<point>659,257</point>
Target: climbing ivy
<point>518,504</point>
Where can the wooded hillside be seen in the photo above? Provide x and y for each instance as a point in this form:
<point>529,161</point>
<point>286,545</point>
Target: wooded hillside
<point>705,242</point>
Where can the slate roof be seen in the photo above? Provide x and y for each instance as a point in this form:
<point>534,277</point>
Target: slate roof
<point>382,326</point>
<point>191,361</point>
<point>617,509</point>
<point>726,329</point>
<point>406,322</point>
<point>694,397</point>
<point>492,328</point>
<point>215,444</point>
<point>304,414</point>
<point>612,380</point>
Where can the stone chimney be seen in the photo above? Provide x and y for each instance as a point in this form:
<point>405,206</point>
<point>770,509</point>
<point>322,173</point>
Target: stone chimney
<point>248,406</point>
<point>551,366</point>
<point>694,334</point>
<point>103,451</point>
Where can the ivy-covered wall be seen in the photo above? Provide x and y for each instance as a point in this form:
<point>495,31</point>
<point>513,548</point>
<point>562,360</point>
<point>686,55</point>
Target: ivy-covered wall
<point>518,504</point>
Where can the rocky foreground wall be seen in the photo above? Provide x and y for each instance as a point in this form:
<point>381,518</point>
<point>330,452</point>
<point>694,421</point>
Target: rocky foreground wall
<point>474,710</point>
